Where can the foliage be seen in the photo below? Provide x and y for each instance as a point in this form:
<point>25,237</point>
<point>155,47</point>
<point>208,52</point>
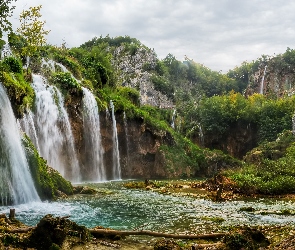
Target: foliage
<point>48,181</point>
<point>269,175</point>
<point>163,86</point>
<point>21,93</point>
<point>5,13</point>
<point>65,81</point>
<point>12,64</point>
<point>70,63</point>
<point>32,29</point>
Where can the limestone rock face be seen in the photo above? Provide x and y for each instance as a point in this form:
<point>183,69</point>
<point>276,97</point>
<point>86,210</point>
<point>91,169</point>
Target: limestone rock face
<point>132,73</point>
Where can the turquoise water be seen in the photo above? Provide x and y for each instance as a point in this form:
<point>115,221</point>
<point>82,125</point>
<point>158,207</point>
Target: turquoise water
<point>119,208</point>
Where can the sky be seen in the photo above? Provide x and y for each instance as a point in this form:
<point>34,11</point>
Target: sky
<point>220,34</point>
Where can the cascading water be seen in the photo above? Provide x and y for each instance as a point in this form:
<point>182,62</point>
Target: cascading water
<point>6,51</point>
<point>173,119</point>
<point>16,184</point>
<point>28,126</point>
<point>201,135</point>
<point>116,155</point>
<point>54,132</point>
<point>262,81</point>
<point>93,167</point>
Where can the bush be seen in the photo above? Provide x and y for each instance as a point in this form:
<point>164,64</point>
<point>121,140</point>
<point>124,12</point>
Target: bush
<point>12,64</point>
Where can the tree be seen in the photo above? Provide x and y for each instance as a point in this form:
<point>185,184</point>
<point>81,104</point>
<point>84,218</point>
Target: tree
<point>32,29</point>
<point>5,12</point>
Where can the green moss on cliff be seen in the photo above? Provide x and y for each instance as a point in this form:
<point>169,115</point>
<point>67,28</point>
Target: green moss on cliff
<point>20,92</point>
<point>49,183</point>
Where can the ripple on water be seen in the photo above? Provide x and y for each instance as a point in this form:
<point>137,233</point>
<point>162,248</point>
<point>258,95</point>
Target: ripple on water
<point>139,209</point>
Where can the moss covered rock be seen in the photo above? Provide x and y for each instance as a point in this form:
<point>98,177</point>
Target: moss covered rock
<point>49,183</point>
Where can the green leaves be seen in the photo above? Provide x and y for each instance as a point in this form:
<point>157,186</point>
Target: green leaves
<point>5,12</point>
<point>32,29</point>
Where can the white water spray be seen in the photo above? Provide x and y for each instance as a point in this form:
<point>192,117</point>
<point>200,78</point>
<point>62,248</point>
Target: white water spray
<point>16,184</point>
<point>94,167</point>
<point>173,119</point>
<point>54,132</point>
<point>116,155</point>
<point>28,126</point>
<point>6,51</point>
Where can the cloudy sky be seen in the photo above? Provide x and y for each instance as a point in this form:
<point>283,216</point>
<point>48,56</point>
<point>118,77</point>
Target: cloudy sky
<point>220,34</point>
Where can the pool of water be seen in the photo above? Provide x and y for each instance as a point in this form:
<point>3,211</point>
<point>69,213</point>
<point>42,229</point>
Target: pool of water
<point>119,208</point>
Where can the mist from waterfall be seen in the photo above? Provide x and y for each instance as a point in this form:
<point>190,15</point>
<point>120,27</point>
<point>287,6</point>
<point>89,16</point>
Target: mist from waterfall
<point>93,165</point>
<point>54,134</point>
<point>16,185</point>
<point>116,155</point>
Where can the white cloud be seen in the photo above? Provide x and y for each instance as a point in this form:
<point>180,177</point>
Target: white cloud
<point>219,34</point>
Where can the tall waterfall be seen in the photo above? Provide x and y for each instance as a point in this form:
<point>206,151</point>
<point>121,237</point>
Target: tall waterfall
<point>55,138</point>
<point>93,169</point>
<point>16,185</point>
<point>116,155</point>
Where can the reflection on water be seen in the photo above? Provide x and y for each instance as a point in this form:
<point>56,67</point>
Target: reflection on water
<point>120,208</point>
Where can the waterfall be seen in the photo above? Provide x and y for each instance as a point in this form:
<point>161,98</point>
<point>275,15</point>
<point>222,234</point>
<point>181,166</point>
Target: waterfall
<point>126,136</point>
<point>54,132</point>
<point>16,184</point>
<point>173,119</point>
<point>262,81</point>
<point>28,126</point>
<point>116,155</point>
<point>201,135</point>
<point>93,163</point>
<point>6,51</point>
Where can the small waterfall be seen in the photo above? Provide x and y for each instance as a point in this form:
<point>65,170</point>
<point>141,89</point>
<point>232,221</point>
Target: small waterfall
<point>54,132</point>
<point>93,163</point>
<point>173,119</point>
<point>16,185</point>
<point>116,155</point>
<point>201,135</point>
<point>6,51</point>
<point>28,126</point>
<point>127,137</point>
<point>262,81</point>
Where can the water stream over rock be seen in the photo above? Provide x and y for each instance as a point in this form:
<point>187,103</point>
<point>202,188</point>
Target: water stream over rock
<point>16,185</point>
<point>93,165</point>
<point>53,130</point>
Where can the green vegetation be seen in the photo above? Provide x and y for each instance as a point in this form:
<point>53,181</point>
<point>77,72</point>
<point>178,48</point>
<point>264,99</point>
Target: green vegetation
<point>18,89</point>
<point>5,12</point>
<point>49,183</point>
<point>270,169</point>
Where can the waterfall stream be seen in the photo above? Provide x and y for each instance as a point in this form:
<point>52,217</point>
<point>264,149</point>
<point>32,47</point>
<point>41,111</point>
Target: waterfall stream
<point>93,163</point>
<point>16,184</point>
<point>55,138</point>
<point>116,155</point>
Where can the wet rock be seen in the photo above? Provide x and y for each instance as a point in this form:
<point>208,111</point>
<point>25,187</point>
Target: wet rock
<point>52,232</point>
<point>165,244</point>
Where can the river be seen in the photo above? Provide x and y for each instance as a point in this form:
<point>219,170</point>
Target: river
<point>119,208</point>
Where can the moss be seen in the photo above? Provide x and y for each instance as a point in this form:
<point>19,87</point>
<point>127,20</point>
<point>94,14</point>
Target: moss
<point>49,183</point>
<point>20,92</point>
